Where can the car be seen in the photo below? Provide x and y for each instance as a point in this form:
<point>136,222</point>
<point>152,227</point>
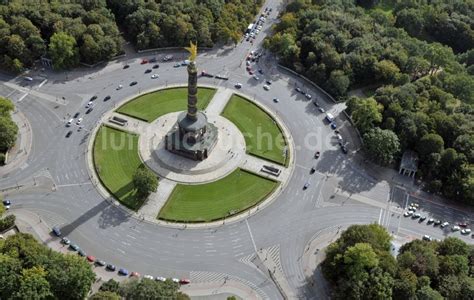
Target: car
<point>333,125</point>
<point>81,253</point>
<point>266,87</point>
<point>185,62</point>
<point>463,225</point>
<point>76,115</point>
<point>79,121</point>
<point>412,208</point>
<point>160,278</point>
<point>79,128</point>
<point>144,61</point>
<point>308,96</point>
<point>321,109</point>
<point>249,57</point>
<point>238,85</point>
<point>126,66</point>
<point>408,213</point>
<point>28,78</point>
<point>430,221</point>
<point>119,87</point>
<point>222,77</point>
<point>154,76</point>
<point>422,218</point>
<point>298,90</point>
<point>455,228</point>
<point>110,267</point>
<point>437,222</point>
<point>100,262</point>
<point>90,258</point>
<point>317,154</point>
<point>168,57</point>
<point>313,169</point>
<point>135,274</point>
<point>74,247</point>
<point>69,133</point>
<point>123,272</point>
<point>156,66</point>
<point>466,231</point>
<point>444,224</point>
<point>152,60</point>
<point>89,110</point>
<point>175,280</point>
<point>256,77</point>
<point>268,82</point>
<point>6,204</point>
<point>56,231</point>
<point>344,149</point>
<point>89,104</point>
<point>133,83</point>
<point>260,71</point>
<point>65,241</point>
<point>147,71</point>
<point>414,204</point>
<point>205,74</point>
<point>247,63</point>
<point>306,185</point>
<point>276,100</point>
<point>427,238</point>
<point>184,281</point>
<point>250,72</point>
<point>93,98</point>
<point>107,98</point>
<point>177,65</point>
<point>416,216</point>
<point>148,277</point>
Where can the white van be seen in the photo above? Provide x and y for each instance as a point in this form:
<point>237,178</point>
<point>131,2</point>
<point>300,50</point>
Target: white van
<point>69,123</point>
<point>329,117</point>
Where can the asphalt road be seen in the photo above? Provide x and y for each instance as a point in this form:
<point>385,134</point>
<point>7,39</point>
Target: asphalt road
<point>64,195</point>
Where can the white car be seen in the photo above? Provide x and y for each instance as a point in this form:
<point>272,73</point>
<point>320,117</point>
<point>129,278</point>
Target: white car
<point>427,238</point>
<point>154,76</point>
<point>456,228</point>
<point>466,231</point>
<point>416,216</point>
<point>308,96</point>
<point>89,104</point>
<point>119,87</point>
<point>175,280</point>
<point>444,224</point>
<point>79,121</point>
<point>259,27</point>
<point>148,277</point>
<point>255,77</point>
<point>159,278</point>
<point>266,87</point>
<point>408,213</point>
<point>238,85</point>
<point>257,31</point>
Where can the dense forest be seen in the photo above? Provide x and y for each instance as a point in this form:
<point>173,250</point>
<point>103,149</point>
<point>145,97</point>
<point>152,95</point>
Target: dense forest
<point>91,31</point>
<point>360,266</point>
<point>155,24</point>
<point>422,91</point>
<point>8,128</point>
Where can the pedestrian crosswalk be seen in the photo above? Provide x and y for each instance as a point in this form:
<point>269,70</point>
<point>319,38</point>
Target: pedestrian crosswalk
<point>209,277</point>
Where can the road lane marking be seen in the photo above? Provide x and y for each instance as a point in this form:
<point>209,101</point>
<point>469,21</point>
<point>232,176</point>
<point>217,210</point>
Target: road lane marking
<point>210,250</point>
<point>380,216</point>
<point>251,235</point>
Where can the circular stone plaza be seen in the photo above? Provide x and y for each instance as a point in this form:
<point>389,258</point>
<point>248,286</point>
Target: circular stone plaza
<point>218,156</point>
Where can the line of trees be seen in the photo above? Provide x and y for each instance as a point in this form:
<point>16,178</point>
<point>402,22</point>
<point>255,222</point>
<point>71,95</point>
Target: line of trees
<point>8,128</point>
<point>359,265</point>
<point>425,97</point>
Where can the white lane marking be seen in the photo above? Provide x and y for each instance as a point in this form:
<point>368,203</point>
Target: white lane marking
<point>130,236</point>
<point>211,250</point>
<point>120,250</point>
<point>42,83</point>
<point>73,184</point>
<point>251,235</point>
<point>22,97</point>
<point>380,215</point>
<point>239,254</point>
<point>235,241</point>
<point>237,246</point>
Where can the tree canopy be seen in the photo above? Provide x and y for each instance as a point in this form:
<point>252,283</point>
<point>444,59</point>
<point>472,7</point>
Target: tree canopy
<point>360,266</point>
<point>8,128</point>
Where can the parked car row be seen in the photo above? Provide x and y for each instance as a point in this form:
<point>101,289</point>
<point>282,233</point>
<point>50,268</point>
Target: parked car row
<point>110,267</point>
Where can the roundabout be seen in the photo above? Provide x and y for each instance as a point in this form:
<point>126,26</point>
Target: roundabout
<point>56,184</point>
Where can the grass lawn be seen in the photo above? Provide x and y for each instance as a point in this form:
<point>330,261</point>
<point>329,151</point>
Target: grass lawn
<point>116,160</point>
<point>262,135</point>
<point>151,106</point>
<point>206,202</point>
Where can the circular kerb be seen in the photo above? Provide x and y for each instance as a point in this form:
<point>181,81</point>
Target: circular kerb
<point>225,157</point>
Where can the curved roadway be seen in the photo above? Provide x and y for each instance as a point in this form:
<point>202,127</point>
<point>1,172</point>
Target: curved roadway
<point>63,194</point>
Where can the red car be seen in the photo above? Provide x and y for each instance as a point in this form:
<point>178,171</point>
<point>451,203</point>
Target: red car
<point>184,281</point>
<point>134,274</point>
<point>250,72</point>
<point>464,225</point>
<point>249,57</point>
<point>90,258</point>
<point>144,61</point>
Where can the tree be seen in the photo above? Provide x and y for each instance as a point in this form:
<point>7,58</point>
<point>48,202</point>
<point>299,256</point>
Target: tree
<point>359,258</point>
<point>110,286</point>
<point>381,145</point>
<point>430,143</point>
<point>8,133</point>
<point>427,293</point>
<point>338,83</point>
<point>386,70</point>
<point>105,295</point>
<point>453,246</point>
<point>63,50</point>
<point>6,106</point>
<point>145,181</point>
<point>33,285</point>
<point>10,270</point>
<point>366,113</point>
<point>405,285</point>
<point>149,289</point>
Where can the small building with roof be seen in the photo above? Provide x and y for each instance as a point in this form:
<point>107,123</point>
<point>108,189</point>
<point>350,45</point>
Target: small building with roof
<point>409,163</point>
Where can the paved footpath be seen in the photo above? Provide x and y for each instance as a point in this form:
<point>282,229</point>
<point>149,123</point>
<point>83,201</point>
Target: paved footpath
<point>30,222</point>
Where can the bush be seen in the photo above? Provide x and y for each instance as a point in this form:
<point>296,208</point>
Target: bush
<point>7,222</point>
<point>2,159</point>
